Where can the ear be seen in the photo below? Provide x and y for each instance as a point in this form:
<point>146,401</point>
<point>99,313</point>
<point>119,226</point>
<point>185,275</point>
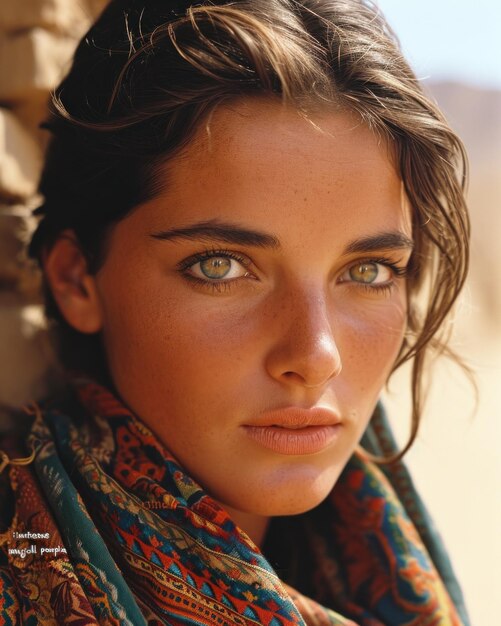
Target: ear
<point>73,288</point>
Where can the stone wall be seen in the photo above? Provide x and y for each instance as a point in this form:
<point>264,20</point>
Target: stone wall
<point>37,39</point>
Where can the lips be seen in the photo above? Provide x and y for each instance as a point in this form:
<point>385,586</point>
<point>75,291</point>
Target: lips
<point>295,431</point>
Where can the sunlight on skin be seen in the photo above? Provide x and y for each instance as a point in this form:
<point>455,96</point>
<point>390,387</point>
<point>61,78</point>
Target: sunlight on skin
<point>268,274</point>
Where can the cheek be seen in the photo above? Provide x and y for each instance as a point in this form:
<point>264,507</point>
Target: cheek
<point>370,343</point>
<point>194,341</point>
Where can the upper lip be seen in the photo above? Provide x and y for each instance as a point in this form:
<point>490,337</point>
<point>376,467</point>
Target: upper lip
<point>295,417</point>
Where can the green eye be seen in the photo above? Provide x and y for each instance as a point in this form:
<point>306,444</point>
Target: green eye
<point>215,267</point>
<point>364,272</point>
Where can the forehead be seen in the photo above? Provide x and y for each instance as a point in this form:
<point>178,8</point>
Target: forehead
<point>250,138</point>
<point>261,161</point>
<point>257,128</point>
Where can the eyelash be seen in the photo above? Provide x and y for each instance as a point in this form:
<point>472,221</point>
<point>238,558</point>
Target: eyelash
<point>383,288</point>
<point>225,285</point>
<point>216,285</point>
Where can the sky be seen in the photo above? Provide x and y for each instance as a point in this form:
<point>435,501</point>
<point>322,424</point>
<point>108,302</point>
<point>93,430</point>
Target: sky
<point>449,39</point>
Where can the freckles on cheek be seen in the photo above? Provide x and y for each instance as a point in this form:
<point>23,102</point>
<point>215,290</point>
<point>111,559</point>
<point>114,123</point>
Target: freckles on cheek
<point>137,327</point>
<point>371,342</point>
<point>224,329</point>
<point>204,342</point>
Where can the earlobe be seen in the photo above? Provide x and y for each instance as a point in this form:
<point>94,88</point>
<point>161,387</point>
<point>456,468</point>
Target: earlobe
<point>73,288</point>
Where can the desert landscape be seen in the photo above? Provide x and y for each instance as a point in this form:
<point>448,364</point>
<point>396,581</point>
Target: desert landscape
<point>456,461</point>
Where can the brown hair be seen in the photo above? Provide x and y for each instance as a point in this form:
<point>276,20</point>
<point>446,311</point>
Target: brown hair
<point>147,74</point>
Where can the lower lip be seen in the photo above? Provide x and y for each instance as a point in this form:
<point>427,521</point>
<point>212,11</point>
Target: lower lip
<point>296,441</point>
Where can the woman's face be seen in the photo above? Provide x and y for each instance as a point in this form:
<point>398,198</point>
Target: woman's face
<point>252,311</point>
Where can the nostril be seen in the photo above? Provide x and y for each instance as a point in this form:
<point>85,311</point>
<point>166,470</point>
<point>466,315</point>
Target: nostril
<point>293,376</point>
<point>306,380</point>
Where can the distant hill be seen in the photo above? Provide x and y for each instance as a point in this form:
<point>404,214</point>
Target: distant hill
<point>475,114</point>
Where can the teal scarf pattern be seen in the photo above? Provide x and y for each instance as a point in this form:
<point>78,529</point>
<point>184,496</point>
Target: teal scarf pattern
<point>104,526</point>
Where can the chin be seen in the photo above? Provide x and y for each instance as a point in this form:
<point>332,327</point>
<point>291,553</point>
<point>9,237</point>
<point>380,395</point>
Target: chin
<point>291,495</point>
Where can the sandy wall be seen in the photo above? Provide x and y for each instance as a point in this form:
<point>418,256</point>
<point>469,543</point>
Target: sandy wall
<point>37,39</point>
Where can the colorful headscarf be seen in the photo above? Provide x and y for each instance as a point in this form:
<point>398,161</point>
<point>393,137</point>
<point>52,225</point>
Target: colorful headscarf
<point>105,527</point>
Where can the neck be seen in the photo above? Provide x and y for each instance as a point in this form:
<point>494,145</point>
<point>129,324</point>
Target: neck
<point>253,525</point>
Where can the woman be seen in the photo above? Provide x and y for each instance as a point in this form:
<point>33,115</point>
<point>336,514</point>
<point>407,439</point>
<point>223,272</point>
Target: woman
<point>252,216</point>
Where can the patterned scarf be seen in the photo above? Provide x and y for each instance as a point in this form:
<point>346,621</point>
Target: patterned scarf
<point>105,527</point>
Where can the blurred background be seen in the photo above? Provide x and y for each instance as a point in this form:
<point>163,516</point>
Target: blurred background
<point>455,49</point>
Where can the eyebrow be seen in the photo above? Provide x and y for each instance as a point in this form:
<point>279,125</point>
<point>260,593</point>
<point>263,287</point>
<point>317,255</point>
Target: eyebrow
<point>227,232</point>
<point>382,241</point>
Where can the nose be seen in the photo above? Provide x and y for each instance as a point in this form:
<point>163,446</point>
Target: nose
<point>304,350</point>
